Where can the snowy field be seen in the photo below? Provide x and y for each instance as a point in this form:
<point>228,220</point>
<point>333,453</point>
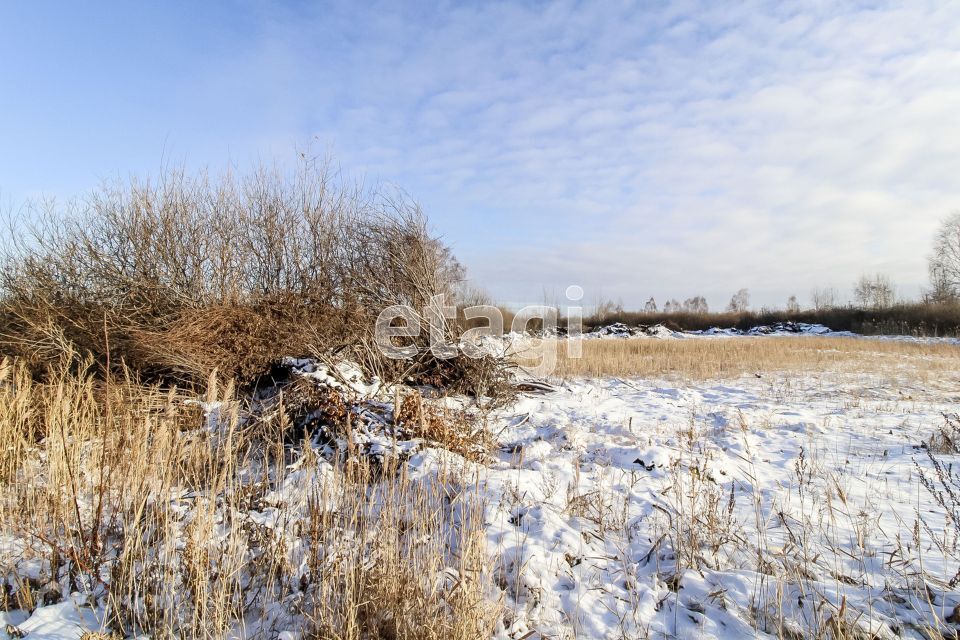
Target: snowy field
<point>776,505</point>
<point>782,504</point>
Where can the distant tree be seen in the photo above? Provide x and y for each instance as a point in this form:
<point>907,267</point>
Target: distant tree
<point>651,306</point>
<point>697,304</point>
<point>792,305</point>
<point>607,309</point>
<point>672,306</point>
<point>823,298</point>
<point>941,291</point>
<point>873,292</point>
<point>740,301</point>
<point>944,262</point>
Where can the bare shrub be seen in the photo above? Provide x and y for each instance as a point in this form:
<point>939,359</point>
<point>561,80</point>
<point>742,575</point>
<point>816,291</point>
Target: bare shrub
<point>186,274</point>
<point>452,430</point>
<point>904,318</point>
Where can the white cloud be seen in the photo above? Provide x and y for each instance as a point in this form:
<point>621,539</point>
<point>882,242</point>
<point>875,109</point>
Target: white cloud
<point>694,148</point>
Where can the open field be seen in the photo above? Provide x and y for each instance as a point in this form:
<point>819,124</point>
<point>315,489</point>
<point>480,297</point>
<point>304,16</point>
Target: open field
<point>698,359</point>
<point>663,490</point>
<point>703,500</point>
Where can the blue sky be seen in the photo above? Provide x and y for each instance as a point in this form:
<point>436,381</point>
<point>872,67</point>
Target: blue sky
<point>635,149</point>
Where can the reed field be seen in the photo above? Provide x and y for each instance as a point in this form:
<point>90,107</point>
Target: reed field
<point>698,359</point>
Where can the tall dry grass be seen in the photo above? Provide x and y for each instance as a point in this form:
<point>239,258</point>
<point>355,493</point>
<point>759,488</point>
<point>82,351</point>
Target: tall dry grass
<point>187,520</point>
<point>730,357</point>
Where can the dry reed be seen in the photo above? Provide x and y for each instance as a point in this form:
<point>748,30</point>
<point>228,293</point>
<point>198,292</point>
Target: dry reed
<point>189,520</point>
<point>697,359</point>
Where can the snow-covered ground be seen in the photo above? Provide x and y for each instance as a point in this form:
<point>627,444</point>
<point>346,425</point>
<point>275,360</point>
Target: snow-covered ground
<point>773,505</point>
<point>631,508</point>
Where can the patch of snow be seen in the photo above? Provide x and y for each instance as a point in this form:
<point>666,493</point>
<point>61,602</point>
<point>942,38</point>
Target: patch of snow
<point>68,620</point>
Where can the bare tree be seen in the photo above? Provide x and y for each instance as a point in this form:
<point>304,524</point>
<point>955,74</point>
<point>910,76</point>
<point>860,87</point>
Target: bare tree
<point>792,305</point>
<point>606,309</point>
<point>823,298</point>
<point>740,301</point>
<point>941,291</point>
<point>697,304</point>
<point>651,306</point>
<point>875,292</point>
<point>944,262</point>
<point>672,306</point>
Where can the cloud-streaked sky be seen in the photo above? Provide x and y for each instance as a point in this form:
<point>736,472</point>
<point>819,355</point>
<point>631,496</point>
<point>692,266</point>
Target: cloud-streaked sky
<point>635,149</point>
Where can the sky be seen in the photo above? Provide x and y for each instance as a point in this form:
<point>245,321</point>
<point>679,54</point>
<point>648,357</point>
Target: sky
<point>633,149</point>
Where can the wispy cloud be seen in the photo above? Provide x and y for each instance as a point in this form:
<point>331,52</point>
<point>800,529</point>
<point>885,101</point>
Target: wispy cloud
<point>695,148</point>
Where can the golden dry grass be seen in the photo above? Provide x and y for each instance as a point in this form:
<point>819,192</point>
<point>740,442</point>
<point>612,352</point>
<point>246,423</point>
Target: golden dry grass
<point>126,490</point>
<point>698,359</point>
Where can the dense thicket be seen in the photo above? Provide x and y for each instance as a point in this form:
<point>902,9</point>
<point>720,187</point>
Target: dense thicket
<point>187,273</point>
<point>920,318</point>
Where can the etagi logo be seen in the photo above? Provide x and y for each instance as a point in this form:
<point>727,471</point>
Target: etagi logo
<point>402,323</point>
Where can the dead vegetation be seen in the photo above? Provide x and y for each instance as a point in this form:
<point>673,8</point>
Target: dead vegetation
<point>157,511</point>
<point>277,498</point>
<point>188,274</point>
<point>696,359</point>
<point>939,317</point>
<point>451,430</point>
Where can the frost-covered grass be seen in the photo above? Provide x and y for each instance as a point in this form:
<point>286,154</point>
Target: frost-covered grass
<point>758,487</point>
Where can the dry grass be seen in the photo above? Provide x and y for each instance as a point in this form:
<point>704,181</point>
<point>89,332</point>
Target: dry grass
<point>697,359</point>
<point>187,523</point>
<point>451,430</point>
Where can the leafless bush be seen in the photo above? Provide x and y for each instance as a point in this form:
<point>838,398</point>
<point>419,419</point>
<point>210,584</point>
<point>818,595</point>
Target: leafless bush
<point>188,273</point>
<point>915,318</point>
<point>946,439</point>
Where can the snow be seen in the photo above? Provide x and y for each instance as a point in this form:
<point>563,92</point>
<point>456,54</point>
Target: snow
<point>68,620</point>
<point>592,568</point>
<point>748,507</point>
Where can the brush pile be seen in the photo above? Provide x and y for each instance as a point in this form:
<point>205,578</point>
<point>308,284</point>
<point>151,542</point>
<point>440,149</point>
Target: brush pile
<point>345,417</point>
